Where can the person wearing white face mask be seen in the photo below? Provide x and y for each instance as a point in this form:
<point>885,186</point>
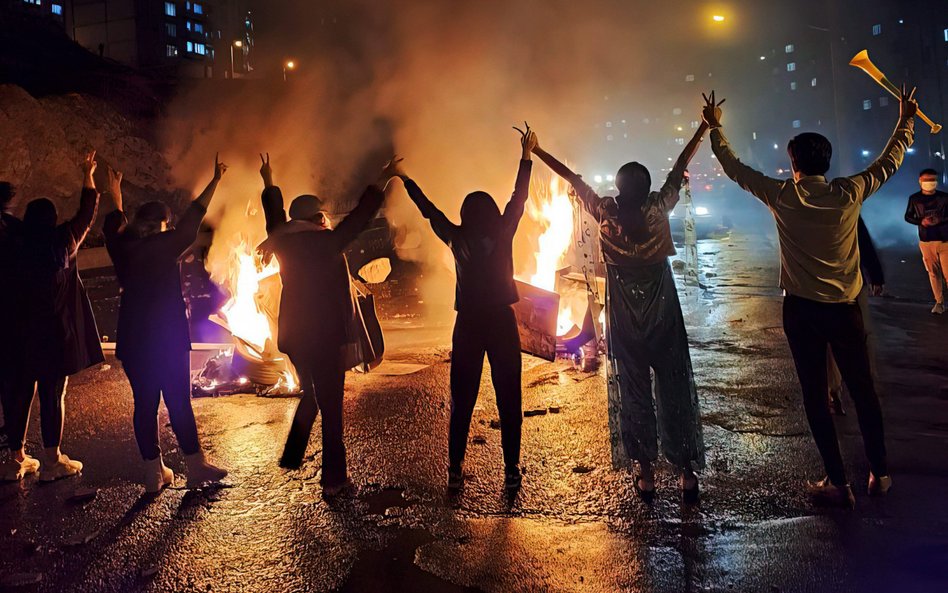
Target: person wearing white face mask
<point>928,209</point>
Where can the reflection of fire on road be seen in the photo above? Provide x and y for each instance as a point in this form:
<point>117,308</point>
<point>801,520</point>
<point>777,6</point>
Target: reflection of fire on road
<point>555,296</point>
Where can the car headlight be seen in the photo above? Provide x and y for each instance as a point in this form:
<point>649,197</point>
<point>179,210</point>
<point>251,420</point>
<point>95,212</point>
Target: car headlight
<point>701,211</point>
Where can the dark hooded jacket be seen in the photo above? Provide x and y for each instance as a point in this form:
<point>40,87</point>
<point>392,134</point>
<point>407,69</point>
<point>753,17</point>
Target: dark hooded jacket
<point>11,292</point>
<point>62,338</point>
<point>483,257</point>
<point>153,317</point>
<point>318,307</point>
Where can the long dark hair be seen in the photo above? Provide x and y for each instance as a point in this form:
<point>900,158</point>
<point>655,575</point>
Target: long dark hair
<point>634,183</point>
<point>39,224</point>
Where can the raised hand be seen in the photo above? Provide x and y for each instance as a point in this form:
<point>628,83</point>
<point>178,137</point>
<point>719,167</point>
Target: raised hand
<point>88,164</point>
<point>115,186</point>
<point>711,112</point>
<point>908,106</point>
<point>219,167</point>
<point>393,168</point>
<point>528,140</point>
<point>265,171</point>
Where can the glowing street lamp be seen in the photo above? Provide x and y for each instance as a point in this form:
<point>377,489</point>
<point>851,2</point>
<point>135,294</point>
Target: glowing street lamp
<point>237,44</point>
<point>718,18</point>
<point>288,65</point>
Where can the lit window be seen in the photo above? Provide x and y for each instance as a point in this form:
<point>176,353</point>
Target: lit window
<point>791,67</point>
<point>793,86</point>
<point>171,51</point>
<point>57,9</point>
<point>796,123</point>
<point>789,48</point>
<point>877,29</point>
<point>883,101</point>
<point>187,6</point>
<point>694,124</point>
<point>866,104</point>
<point>198,27</point>
<point>690,78</point>
<point>188,25</point>
<point>171,29</point>
<point>609,138</point>
<point>608,124</point>
<point>812,82</point>
<point>946,34</point>
<point>189,46</point>
<point>754,135</point>
<point>170,9</point>
<point>36,2</point>
<point>676,111</point>
<point>198,9</point>
<point>680,141</point>
<point>200,49</point>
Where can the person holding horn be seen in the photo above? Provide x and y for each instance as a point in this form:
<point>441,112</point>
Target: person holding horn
<point>817,222</point>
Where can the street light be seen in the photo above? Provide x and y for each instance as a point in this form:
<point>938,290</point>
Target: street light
<point>288,65</point>
<point>717,18</point>
<point>237,44</point>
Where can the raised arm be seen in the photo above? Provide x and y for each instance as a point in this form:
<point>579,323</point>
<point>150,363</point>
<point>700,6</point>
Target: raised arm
<point>367,208</point>
<point>273,210</point>
<point>586,194</point>
<point>115,221</point>
<point>886,164</point>
<point>764,188</point>
<point>671,190</point>
<point>513,212</point>
<point>185,232</point>
<point>78,226</point>
<point>443,228</point>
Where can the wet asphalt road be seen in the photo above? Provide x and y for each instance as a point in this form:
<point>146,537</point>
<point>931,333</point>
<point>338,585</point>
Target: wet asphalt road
<point>575,526</point>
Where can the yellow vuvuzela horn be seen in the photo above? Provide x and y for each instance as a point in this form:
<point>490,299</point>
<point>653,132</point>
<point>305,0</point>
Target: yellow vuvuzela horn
<point>862,61</point>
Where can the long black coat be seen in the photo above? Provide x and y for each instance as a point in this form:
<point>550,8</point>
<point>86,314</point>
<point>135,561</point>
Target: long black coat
<point>153,317</point>
<point>60,336</point>
<point>11,294</point>
<point>318,308</point>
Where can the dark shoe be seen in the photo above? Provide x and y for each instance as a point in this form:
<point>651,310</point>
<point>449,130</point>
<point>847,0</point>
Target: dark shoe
<point>290,461</point>
<point>826,493</point>
<point>455,479</point>
<point>690,494</point>
<point>879,486</point>
<point>512,478</point>
<point>646,494</point>
<point>836,403</point>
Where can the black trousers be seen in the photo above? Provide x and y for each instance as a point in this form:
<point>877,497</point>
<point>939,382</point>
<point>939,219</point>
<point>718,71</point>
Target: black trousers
<point>16,394</point>
<point>322,376</point>
<point>810,327</point>
<point>168,376</point>
<point>492,332</point>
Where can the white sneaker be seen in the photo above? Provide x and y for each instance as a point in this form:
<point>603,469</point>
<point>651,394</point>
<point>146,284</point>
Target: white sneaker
<point>201,472</point>
<point>59,466</point>
<point>938,309</point>
<point>879,486</point>
<point>157,476</point>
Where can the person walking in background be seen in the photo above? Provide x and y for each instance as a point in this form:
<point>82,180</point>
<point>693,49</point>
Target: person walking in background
<point>873,285</point>
<point>318,312</point>
<point>62,338</point>
<point>819,255</point>
<point>482,246</point>
<point>153,340</point>
<point>645,330</point>
<point>928,208</point>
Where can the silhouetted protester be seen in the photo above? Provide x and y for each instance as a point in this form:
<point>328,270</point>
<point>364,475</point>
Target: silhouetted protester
<point>15,463</point>
<point>819,272</point>
<point>482,246</point>
<point>928,209</point>
<point>873,285</point>
<point>319,316</point>
<point>153,340</point>
<point>645,330</point>
<point>60,336</point>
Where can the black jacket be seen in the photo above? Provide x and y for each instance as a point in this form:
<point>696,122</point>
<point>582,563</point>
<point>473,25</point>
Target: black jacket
<point>62,336</point>
<point>153,317</point>
<point>920,206</point>
<point>484,264</point>
<point>318,307</point>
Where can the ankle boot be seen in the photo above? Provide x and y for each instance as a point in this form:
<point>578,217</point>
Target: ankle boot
<point>201,472</point>
<point>157,475</point>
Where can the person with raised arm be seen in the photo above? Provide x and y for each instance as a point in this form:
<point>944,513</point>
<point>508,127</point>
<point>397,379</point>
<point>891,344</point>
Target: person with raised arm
<point>319,319</point>
<point>61,337</point>
<point>817,224</point>
<point>153,339</point>
<point>645,330</point>
<point>485,291</point>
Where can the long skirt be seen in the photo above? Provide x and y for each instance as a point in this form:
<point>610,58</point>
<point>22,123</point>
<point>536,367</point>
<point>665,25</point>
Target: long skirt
<point>645,335</point>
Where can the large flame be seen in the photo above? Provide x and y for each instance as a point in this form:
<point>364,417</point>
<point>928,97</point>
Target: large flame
<point>243,312</point>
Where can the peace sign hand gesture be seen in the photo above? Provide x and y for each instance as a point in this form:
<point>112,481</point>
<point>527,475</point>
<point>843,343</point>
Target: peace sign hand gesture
<point>908,106</point>
<point>711,113</point>
<point>265,171</point>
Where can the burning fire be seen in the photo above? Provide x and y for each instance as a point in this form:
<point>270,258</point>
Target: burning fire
<point>553,209</point>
